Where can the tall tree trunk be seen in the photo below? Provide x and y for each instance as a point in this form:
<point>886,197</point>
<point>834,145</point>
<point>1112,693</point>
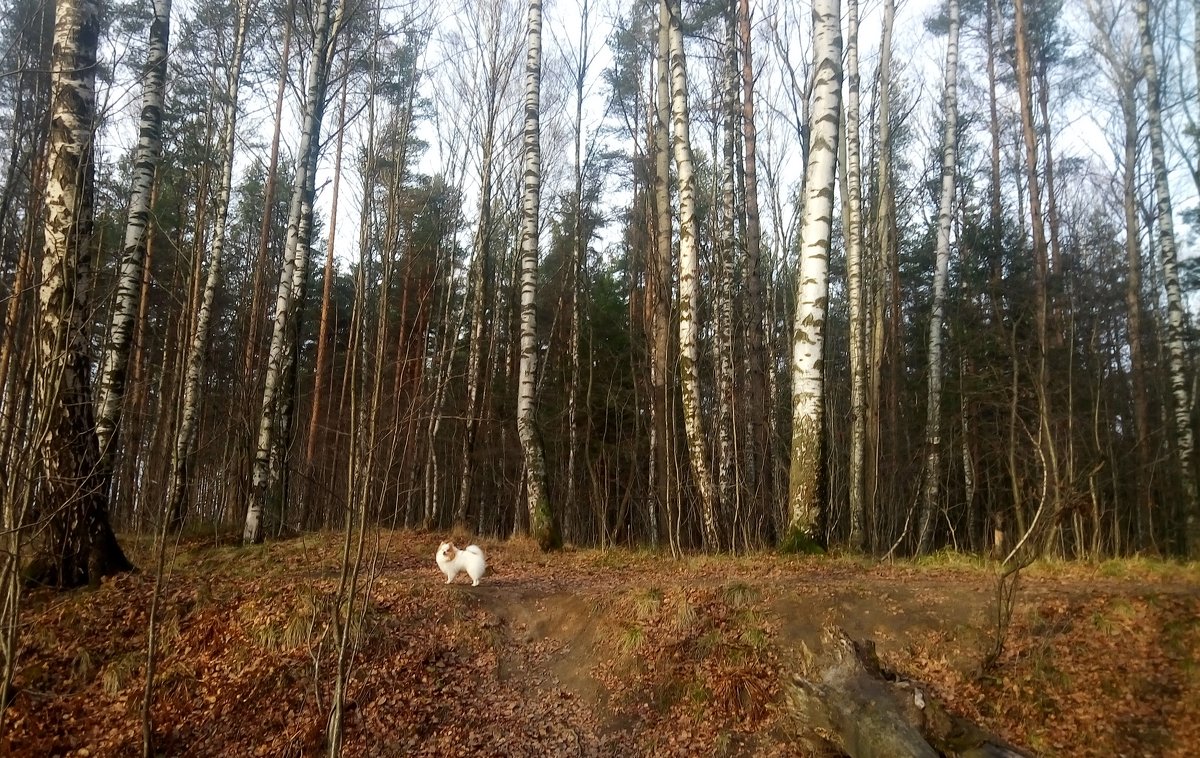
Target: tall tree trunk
<point>658,286</point>
<point>689,284</point>
<point>761,471</point>
<point>933,408</point>
<point>257,293</point>
<point>321,370</point>
<point>1133,306</point>
<point>728,493</point>
<point>995,208</point>
<point>854,281</point>
<point>883,226</point>
<point>543,525</point>
<point>185,435</point>
<point>812,284</point>
<point>1189,510</point>
<point>1040,253</point>
<point>113,370</point>
<point>295,261</point>
<point>81,545</point>
<point>578,253</point>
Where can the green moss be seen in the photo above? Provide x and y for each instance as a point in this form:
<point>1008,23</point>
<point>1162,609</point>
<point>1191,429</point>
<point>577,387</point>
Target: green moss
<point>799,542</point>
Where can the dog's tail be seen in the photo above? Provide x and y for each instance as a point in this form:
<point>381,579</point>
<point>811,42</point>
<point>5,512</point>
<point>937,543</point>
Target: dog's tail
<point>474,549</point>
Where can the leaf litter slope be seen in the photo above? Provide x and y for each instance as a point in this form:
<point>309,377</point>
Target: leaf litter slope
<point>593,653</point>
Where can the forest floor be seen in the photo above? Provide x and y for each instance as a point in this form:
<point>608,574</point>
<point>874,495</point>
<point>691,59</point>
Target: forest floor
<point>593,653</point>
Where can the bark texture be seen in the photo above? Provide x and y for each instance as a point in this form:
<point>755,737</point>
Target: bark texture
<point>1181,392</point>
<point>812,285</point>
<point>293,273</point>
<point>542,524</point>
<point>933,409</point>
<point>689,284</point>
<point>114,368</point>
<point>81,547</point>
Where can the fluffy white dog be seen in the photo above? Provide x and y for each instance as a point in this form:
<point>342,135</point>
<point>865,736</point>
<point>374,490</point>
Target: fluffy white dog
<point>470,559</point>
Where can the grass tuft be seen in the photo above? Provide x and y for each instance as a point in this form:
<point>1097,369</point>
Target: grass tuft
<point>631,639</point>
<point>119,673</point>
<point>739,595</point>
<point>647,605</point>
<point>687,616</point>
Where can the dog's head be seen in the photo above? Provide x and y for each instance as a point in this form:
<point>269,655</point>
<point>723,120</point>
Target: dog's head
<point>447,551</point>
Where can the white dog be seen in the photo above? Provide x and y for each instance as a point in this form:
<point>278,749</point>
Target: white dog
<point>451,560</point>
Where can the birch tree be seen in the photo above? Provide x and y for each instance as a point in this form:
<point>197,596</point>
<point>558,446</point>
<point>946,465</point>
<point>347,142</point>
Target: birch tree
<point>854,282</point>
<point>185,434</point>
<point>689,284</point>
<point>658,286</point>
<point>293,273</point>
<point>542,524</point>
<point>727,491</point>
<point>1181,393</point>
<point>81,545</point>
<point>933,409</point>
<point>113,369</point>
<point>812,284</point>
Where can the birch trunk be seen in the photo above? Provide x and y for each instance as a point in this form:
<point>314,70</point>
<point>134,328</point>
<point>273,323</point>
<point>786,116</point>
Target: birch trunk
<point>854,281</point>
<point>81,545</point>
<point>250,355</point>
<point>689,286</point>
<point>1176,317</point>
<point>933,409</point>
<point>543,526</point>
<point>114,368</point>
<point>185,435</point>
<point>812,283</point>
<point>658,287</point>
<point>295,261</point>
<point>728,495</point>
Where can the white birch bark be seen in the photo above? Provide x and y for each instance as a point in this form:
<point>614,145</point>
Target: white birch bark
<point>933,410</point>
<point>659,284</point>
<point>81,545</point>
<point>295,258</point>
<point>812,283</point>
<point>185,435</point>
<point>542,524</point>
<point>854,280</point>
<point>114,367</point>
<point>1175,323</point>
<point>727,491</point>
<point>689,286</point>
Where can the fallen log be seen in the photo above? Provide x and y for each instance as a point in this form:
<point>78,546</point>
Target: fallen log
<point>848,699</point>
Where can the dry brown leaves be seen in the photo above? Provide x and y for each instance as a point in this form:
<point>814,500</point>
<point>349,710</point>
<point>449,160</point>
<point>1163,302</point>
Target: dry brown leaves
<point>585,653</point>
